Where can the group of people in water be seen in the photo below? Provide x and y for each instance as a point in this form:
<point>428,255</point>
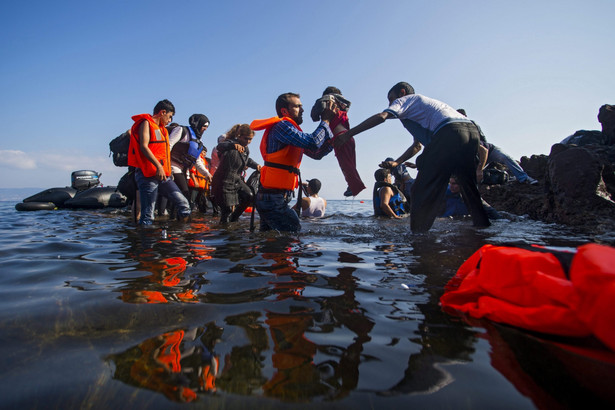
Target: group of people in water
<point>169,160</point>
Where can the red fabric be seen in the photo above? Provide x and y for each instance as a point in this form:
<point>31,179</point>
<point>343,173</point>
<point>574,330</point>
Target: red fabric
<point>530,290</point>
<point>346,155</point>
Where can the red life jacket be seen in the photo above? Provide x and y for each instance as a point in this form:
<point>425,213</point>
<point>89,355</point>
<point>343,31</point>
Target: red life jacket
<point>158,144</point>
<point>531,289</point>
<point>281,169</point>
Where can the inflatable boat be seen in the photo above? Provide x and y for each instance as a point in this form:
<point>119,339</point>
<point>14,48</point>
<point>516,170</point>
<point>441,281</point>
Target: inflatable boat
<point>85,192</point>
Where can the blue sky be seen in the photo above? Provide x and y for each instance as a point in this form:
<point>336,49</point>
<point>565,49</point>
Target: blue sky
<point>73,73</point>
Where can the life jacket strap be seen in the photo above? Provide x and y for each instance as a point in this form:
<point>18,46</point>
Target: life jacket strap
<point>288,168</point>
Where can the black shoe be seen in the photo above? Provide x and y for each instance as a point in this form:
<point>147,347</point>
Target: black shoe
<point>348,192</point>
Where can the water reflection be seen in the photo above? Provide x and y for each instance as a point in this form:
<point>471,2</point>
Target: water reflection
<point>307,324</point>
<point>177,364</point>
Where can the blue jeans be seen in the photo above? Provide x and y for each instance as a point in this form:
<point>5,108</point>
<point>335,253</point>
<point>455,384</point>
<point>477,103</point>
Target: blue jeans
<point>497,155</point>
<point>148,192</point>
<point>275,213</point>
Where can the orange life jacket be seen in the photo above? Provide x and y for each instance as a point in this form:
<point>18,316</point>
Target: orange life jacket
<point>533,290</point>
<point>195,175</point>
<point>158,144</point>
<point>281,169</point>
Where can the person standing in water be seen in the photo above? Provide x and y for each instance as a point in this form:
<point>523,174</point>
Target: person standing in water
<point>150,153</point>
<point>451,142</point>
<point>229,190</point>
<point>282,148</point>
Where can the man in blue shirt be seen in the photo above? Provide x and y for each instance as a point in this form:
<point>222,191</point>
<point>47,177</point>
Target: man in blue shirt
<point>451,142</point>
<point>282,148</point>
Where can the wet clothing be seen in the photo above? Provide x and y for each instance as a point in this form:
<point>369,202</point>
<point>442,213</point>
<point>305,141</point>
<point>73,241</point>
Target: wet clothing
<point>454,205</point>
<point>145,175</point>
<point>316,208</point>
<point>150,187</point>
<point>346,154</point>
<point>450,147</point>
<point>228,188</point>
<point>277,185</point>
<point>396,202</point>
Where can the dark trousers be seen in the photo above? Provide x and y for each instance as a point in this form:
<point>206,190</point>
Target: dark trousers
<point>232,214</point>
<point>452,151</point>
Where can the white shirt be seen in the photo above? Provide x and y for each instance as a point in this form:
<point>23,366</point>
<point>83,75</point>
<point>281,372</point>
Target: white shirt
<point>316,208</point>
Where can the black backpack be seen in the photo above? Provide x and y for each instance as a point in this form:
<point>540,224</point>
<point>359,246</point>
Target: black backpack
<point>119,149</point>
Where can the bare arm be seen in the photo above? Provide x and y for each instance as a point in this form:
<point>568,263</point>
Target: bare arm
<point>144,138</point>
<point>369,123</point>
<point>409,153</point>
<point>483,152</point>
<point>385,196</point>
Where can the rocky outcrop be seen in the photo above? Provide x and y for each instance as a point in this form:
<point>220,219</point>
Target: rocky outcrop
<point>576,188</point>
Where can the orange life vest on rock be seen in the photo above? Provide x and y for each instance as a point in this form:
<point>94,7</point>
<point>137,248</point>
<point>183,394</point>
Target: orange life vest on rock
<point>158,144</point>
<point>534,290</point>
<point>281,168</point>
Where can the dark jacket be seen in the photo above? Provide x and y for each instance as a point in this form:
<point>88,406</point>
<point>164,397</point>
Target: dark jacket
<point>228,178</point>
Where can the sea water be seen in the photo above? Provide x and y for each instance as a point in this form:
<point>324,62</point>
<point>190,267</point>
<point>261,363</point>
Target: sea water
<point>97,313</point>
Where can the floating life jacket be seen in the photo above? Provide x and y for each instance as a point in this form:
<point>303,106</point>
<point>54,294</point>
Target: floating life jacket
<point>281,168</point>
<point>397,201</point>
<point>539,289</point>
<point>158,144</point>
<point>187,152</point>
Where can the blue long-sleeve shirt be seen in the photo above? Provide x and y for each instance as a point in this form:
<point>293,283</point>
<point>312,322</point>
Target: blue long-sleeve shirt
<point>316,145</point>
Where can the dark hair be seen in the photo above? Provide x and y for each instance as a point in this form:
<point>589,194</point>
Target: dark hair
<point>331,90</point>
<point>283,101</point>
<point>401,86</point>
<point>164,105</point>
<point>238,130</point>
<point>314,185</point>
<point>462,112</point>
<point>381,174</point>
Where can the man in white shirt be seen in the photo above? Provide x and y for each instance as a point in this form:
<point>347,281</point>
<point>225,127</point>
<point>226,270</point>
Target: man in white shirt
<point>451,142</point>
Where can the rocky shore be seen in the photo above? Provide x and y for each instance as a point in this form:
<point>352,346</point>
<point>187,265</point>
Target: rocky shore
<point>576,188</point>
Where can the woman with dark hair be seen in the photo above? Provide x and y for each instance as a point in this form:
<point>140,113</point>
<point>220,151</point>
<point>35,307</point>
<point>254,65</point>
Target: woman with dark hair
<point>228,188</point>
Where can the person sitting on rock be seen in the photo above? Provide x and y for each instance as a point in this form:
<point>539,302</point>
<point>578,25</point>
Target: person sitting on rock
<point>488,153</point>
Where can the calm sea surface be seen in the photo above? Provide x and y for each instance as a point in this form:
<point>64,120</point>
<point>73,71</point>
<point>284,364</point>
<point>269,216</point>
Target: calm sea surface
<point>96,313</point>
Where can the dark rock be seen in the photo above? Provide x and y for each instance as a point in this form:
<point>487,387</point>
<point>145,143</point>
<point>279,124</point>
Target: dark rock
<point>576,188</point>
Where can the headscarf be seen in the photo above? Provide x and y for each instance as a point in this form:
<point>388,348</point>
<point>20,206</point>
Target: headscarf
<point>198,121</point>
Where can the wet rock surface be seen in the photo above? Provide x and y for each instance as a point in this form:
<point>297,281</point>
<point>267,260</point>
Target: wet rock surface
<point>576,188</point>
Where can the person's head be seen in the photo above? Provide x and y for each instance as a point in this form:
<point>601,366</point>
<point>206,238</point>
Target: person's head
<point>314,186</point>
<point>164,110</point>
<point>399,90</point>
<point>198,123</point>
<point>242,133</point>
<point>462,112</point>
<point>453,185</point>
<point>382,175</point>
<point>331,90</point>
<point>289,105</point>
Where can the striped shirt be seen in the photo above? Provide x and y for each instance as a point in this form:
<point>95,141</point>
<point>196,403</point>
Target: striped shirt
<point>316,145</point>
